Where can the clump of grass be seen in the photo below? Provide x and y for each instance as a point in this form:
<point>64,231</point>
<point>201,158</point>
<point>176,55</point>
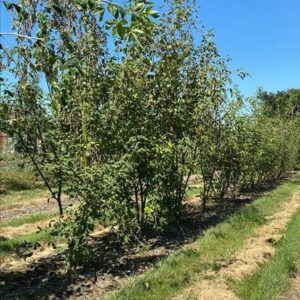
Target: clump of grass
<point>20,180</point>
<point>179,270</point>
<point>273,279</point>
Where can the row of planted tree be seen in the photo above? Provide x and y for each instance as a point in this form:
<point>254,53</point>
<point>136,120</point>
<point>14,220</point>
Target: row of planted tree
<point>122,128</point>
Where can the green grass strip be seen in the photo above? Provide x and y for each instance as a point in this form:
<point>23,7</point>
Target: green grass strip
<point>31,219</point>
<point>180,269</point>
<point>273,279</point>
<point>9,246</point>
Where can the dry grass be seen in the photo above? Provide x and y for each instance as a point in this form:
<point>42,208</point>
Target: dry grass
<point>19,199</point>
<point>274,278</point>
<point>10,232</point>
<point>14,263</point>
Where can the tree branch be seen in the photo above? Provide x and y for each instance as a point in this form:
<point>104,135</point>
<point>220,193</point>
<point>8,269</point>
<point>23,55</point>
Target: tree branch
<point>21,35</point>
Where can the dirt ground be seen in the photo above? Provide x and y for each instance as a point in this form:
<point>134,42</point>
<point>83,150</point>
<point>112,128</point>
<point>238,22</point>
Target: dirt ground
<point>41,205</point>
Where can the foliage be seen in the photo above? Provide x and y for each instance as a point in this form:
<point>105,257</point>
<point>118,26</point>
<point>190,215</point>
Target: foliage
<point>122,131</point>
<point>283,103</point>
<point>68,55</point>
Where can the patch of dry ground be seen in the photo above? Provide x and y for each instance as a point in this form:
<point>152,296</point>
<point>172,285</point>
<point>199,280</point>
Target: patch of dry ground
<point>10,232</point>
<point>35,205</point>
<point>15,263</point>
<point>296,287</point>
<point>213,285</point>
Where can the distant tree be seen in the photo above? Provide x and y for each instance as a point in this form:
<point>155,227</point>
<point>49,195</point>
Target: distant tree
<point>285,104</point>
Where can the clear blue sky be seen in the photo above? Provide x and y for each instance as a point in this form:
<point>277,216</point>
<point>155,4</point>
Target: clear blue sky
<point>262,36</point>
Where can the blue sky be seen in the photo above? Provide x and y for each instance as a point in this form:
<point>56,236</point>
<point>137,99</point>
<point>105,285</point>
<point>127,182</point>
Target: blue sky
<point>261,36</point>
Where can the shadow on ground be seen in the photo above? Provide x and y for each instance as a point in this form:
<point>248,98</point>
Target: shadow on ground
<point>110,263</point>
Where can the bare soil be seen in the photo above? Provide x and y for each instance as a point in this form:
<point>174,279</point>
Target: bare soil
<point>41,205</point>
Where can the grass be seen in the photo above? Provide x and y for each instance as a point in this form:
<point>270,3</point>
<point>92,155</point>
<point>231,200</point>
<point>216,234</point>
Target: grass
<point>273,279</point>
<point>18,183</point>
<point>181,269</point>
<point>16,175</point>
<point>17,199</point>
<point>17,179</point>
<point>10,246</point>
<point>31,219</point>
<point>193,192</point>
<point>19,186</point>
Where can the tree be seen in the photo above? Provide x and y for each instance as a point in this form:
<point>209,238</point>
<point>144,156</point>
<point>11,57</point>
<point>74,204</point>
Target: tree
<point>60,44</point>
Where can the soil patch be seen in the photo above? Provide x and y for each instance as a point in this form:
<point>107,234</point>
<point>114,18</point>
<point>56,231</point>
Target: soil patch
<point>42,205</point>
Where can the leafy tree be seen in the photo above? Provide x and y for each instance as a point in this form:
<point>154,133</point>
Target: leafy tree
<point>123,131</point>
<point>283,103</point>
<point>66,54</point>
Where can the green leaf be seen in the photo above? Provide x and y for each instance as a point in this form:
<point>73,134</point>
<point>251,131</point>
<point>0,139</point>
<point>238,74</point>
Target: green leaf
<point>154,13</point>
<point>121,30</point>
<point>57,8</point>
<point>109,24</point>
<point>10,6</point>
<point>139,6</point>
<point>9,93</point>
<point>100,11</point>
<point>138,31</point>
